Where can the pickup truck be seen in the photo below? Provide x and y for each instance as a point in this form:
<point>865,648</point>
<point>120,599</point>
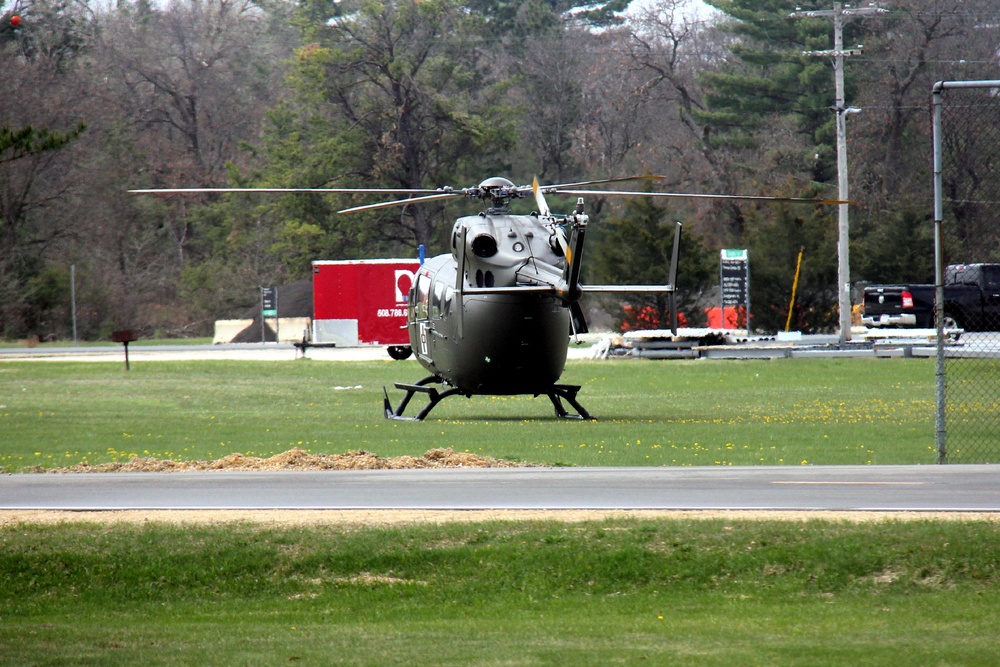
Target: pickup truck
<point>971,301</point>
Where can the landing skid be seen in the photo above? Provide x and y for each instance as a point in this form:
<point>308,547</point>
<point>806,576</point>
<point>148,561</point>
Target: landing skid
<point>568,392</point>
<point>557,394</point>
<point>433,398</point>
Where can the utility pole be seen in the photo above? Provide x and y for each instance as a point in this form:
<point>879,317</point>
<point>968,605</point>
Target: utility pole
<point>841,13</point>
<point>72,296</point>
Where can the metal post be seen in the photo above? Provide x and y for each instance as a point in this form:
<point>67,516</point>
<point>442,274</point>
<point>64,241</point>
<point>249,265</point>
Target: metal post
<point>722,293</point>
<point>939,370</point>
<point>747,266</point>
<point>939,259</point>
<point>72,295</point>
<point>672,297</point>
<point>795,287</point>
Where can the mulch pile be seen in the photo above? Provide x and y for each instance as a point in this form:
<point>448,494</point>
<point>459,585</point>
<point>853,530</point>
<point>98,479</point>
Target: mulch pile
<point>299,459</point>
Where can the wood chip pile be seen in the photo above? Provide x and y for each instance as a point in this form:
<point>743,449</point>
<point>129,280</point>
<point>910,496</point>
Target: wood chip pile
<point>299,459</point>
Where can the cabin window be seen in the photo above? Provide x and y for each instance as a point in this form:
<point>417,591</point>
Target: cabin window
<point>436,300</point>
<point>449,300</point>
<point>423,296</point>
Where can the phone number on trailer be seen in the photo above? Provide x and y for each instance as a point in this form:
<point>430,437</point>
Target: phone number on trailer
<point>392,312</point>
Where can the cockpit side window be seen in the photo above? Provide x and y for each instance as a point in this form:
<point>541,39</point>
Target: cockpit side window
<point>437,297</point>
<point>423,296</point>
<point>449,298</point>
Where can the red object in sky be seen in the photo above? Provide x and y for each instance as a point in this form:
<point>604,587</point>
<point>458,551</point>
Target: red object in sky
<point>15,21</point>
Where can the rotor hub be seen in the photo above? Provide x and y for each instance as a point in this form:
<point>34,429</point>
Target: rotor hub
<point>499,191</point>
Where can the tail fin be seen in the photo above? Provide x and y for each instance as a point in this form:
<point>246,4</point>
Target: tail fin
<point>672,296</point>
<point>569,287</point>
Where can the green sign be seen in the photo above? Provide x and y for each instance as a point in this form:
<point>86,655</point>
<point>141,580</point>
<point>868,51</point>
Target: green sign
<point>269,301</point>
<point>735,275</point>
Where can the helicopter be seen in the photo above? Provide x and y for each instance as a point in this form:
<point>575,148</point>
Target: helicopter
<point>496,314</point>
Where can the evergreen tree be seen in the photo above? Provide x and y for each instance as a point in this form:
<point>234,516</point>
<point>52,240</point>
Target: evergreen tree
<point>898,247</point>
<point>770,78</point>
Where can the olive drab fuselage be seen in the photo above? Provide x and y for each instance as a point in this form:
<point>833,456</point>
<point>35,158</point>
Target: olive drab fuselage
<point>487,331</point>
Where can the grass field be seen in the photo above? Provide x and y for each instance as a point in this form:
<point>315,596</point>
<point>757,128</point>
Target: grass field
<point>625,592</point>
<point>708,592</point>
<point>762,412</point>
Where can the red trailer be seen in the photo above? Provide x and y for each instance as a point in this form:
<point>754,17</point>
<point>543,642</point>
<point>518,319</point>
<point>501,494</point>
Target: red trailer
<point>362,302</point>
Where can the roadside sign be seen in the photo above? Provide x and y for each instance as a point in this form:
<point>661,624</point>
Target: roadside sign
<point>124,336</point>
<point>268,308</point>
<point>735,281</point>
<point>269,301</point>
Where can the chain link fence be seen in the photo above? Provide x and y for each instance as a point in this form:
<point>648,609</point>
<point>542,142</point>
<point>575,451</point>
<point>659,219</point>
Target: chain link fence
<point>967,269</point>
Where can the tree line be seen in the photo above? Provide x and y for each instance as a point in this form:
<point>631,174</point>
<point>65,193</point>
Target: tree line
<point>100,98</point>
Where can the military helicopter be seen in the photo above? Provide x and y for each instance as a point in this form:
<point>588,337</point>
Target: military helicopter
<point>496,314</point>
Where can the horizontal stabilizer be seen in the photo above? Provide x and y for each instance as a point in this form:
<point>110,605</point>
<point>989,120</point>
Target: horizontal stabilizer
<point>627,289</point>
<point>549,289</point>
<point>515,289</point>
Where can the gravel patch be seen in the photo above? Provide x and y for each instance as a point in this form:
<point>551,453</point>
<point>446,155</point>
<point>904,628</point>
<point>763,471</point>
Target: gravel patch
<point>297,459</point>
<point>389,517</point>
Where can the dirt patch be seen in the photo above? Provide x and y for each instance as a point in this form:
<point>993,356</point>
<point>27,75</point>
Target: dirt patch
<point>393,517</point>
<point>298,459</point>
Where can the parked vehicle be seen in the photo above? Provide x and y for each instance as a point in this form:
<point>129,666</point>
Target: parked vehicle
<point>361,302</point>
<point>971,301</point>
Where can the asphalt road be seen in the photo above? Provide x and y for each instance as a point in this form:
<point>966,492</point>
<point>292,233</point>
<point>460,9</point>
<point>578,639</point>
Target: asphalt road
<point>858,488</point>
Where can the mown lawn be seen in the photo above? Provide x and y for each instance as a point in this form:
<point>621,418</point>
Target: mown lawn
<point>773,412</point>
<point>693,592</point>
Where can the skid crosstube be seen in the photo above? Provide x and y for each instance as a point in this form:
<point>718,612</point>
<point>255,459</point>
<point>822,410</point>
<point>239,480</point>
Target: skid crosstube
<point>557,394</point>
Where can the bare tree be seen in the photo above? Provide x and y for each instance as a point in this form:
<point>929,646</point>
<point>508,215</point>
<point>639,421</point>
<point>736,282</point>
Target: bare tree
<point>906,51</point>
<point>551,77</point>
<point>193,80</point>
<point>664,50</point>
<point>669,47</point>
<point>615,111</point>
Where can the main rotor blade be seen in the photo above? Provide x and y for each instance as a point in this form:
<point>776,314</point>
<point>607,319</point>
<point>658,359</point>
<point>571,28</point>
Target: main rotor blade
<point>553,188</point>
<point>543,207</point>
<point>401,202</point>
<point>691,195</point>
<point>175,191</point>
